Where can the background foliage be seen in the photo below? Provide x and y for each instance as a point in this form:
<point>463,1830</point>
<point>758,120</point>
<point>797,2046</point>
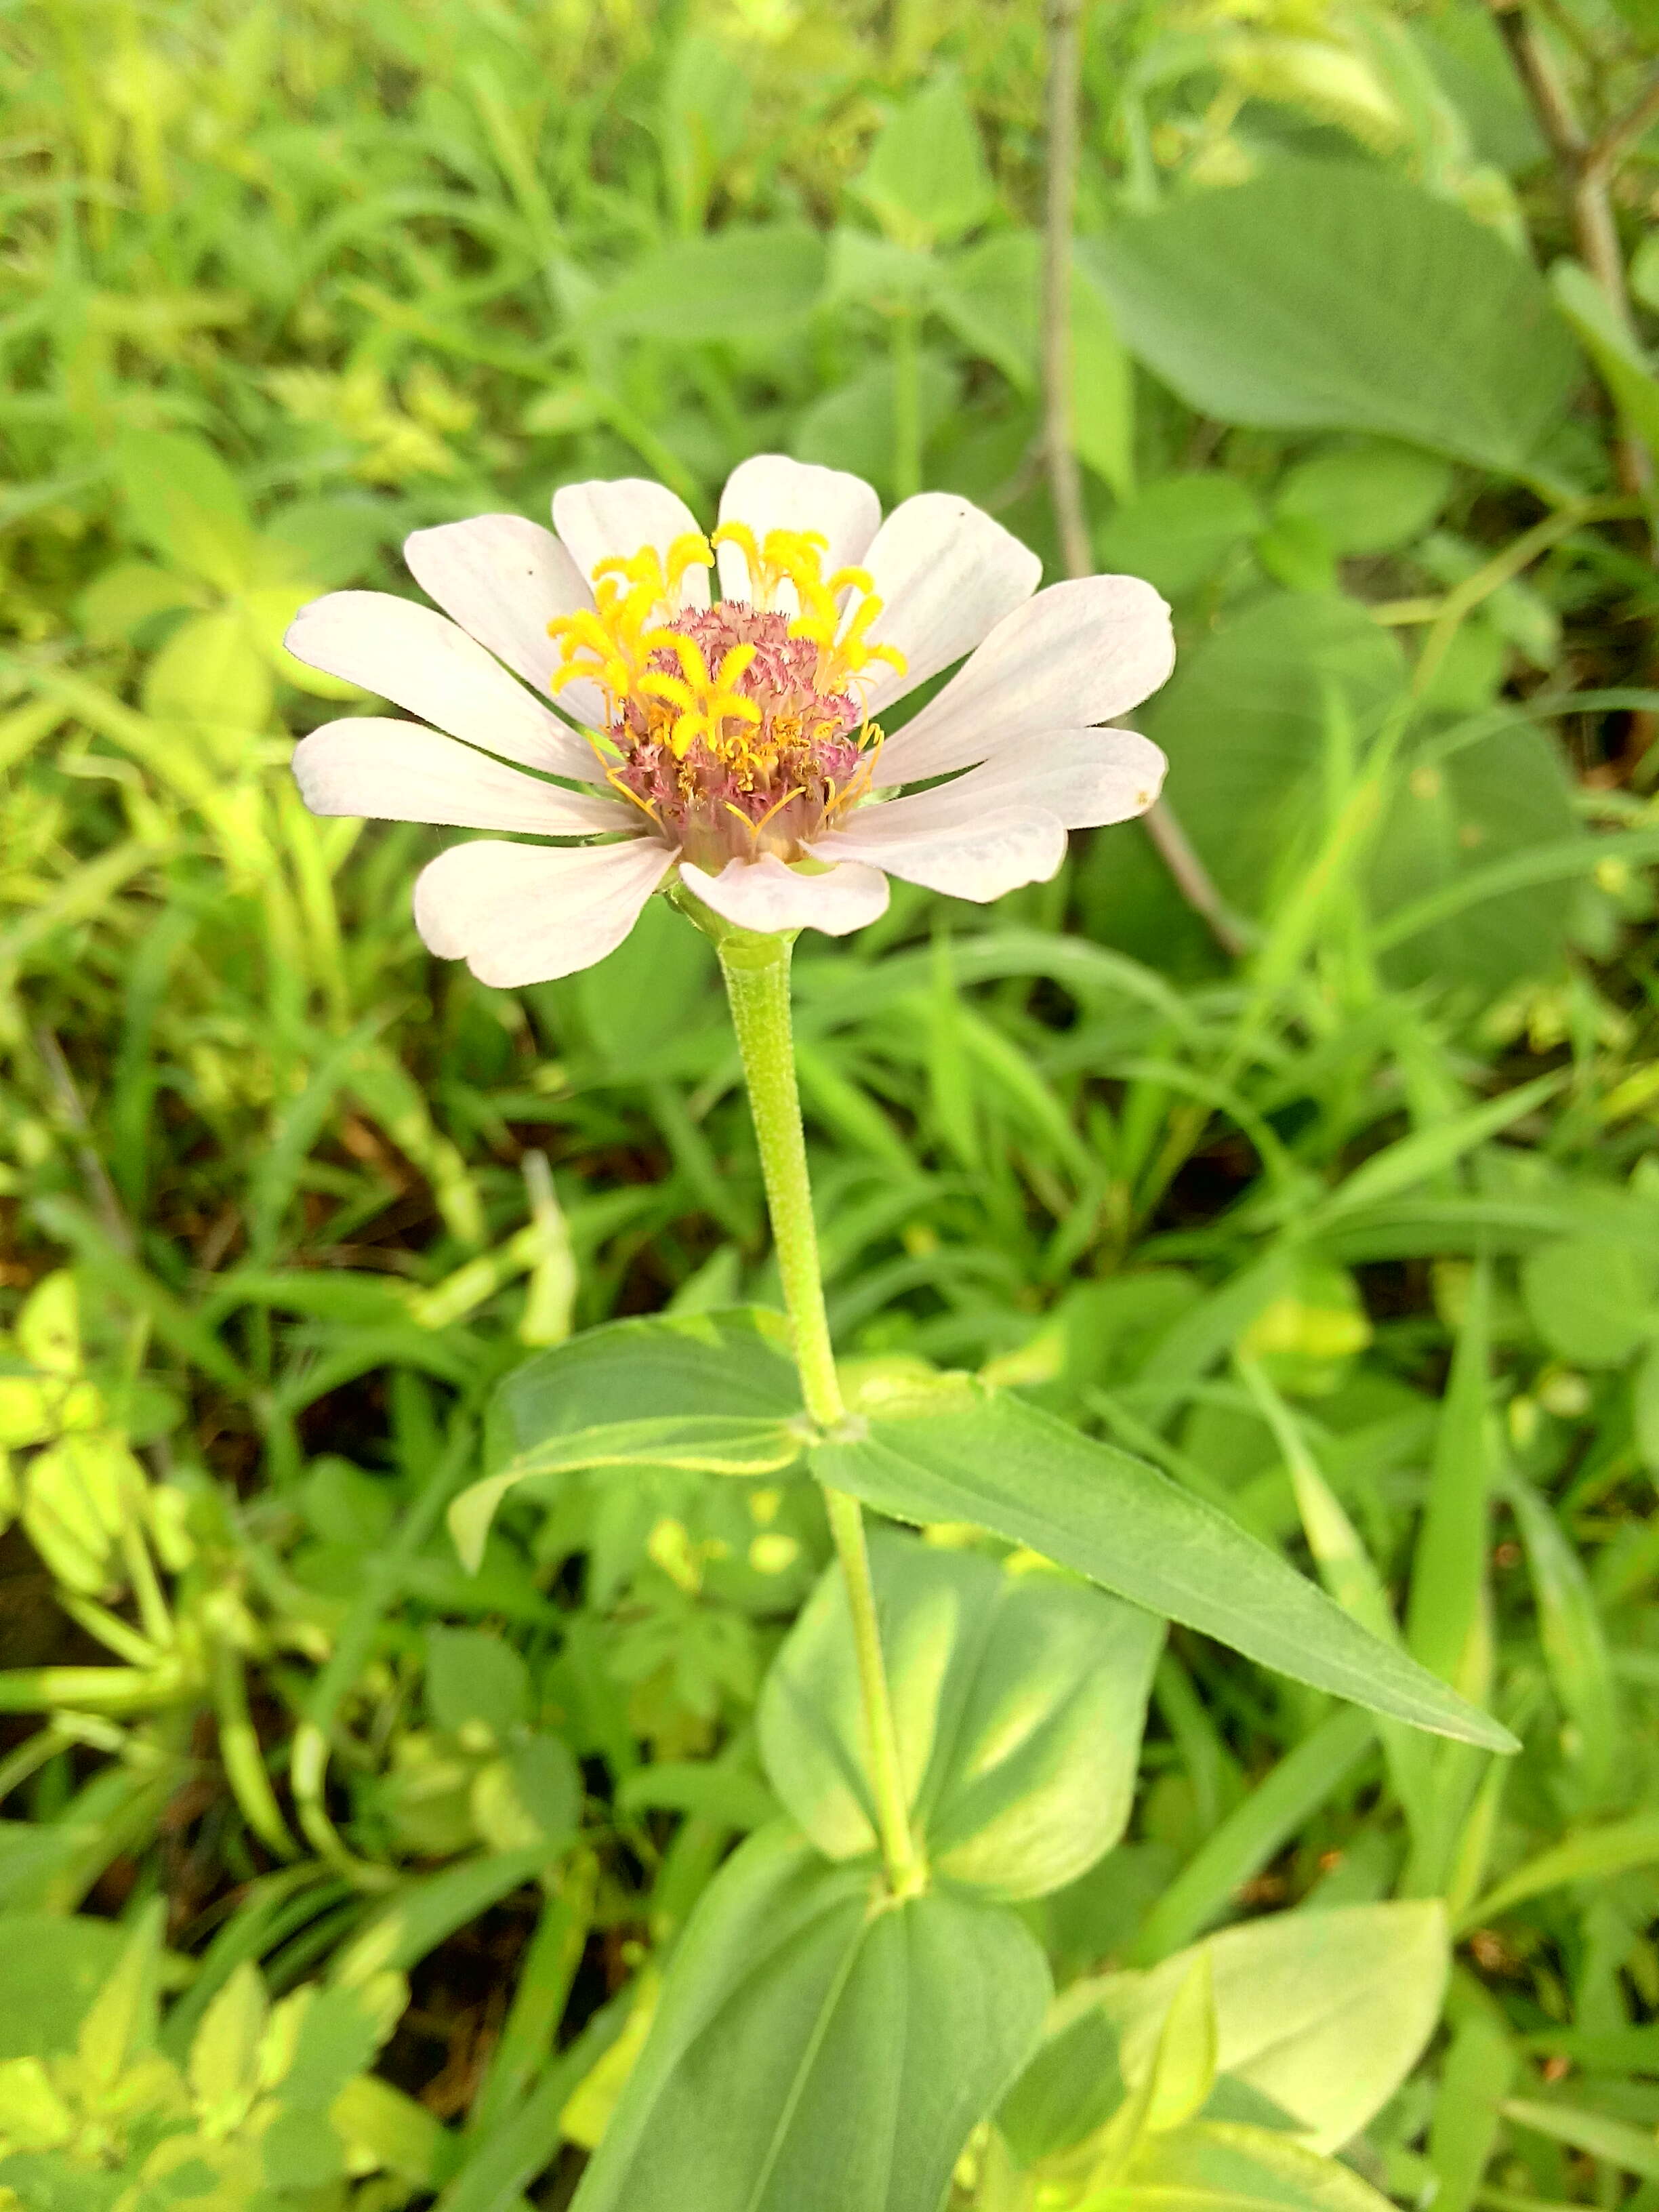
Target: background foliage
<point>1355,1236</point>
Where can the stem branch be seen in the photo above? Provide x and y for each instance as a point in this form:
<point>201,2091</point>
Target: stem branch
<point>757,970</point>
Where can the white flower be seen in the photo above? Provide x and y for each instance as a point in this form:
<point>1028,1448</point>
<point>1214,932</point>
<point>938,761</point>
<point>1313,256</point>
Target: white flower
<point>733,740</point>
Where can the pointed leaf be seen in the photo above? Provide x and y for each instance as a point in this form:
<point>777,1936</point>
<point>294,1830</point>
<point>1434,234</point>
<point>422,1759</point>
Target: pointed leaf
<point>966,1453</point>
<point>817,2050</point>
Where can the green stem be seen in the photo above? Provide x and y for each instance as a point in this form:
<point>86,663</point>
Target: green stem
<point>757,970</point>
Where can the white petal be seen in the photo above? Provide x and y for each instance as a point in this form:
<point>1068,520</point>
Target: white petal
<point>1087,777</point>
<point>416,659</point>
<point>524,914</point>
<point>1081,652</point>
<point>977,859</point>
<point>403,771</point>
<point>503,578</point>
<point>772,492</point>
<point>602,521</point>
<point>766,894</point>
<point>946,574</point>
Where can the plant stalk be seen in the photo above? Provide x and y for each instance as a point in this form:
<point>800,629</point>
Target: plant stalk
<point>756,971</point>
<point>1063,25</point>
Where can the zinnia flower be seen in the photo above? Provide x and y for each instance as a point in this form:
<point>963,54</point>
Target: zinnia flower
<point>732,739</point>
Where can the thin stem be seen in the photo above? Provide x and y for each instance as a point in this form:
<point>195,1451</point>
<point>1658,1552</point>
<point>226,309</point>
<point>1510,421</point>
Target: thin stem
<point>1065,478</point>
<point>1064,18</point>
<point>757,970</point>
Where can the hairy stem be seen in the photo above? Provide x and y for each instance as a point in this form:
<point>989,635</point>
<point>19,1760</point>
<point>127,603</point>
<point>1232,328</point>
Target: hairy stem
<point>757,970</point>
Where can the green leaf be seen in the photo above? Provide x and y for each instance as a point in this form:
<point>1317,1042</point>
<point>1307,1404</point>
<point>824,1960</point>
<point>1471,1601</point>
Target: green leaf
<point>428,1910</point>
<point>534,1796</point>
<point>970,1454</point>
<point>1593,1855</point>
<point>1463,2133</point>
<point>184,503</point>
<point>700,1444</point>
<point>1367,497</point>
<point>1018,1700</point>
<point>122,2017</point>
<point>1635,2149</point>
<point>1455,812</point>
<point>1620,361</point>
<point>52,1966</point>
<point>210,669</point>
<point>1179,531</point>
<point>747,281</point>
<point>1217,2167</point>
<point>1593,1301</point>
<point>224,2053</point>
<point>1338,297</point>
<point>1074,2083</point>
<point>734,1364</point>
<point>1326,2012</point>
<point>991,295</point>
<point>817,2049</point>
<point>1266,675</point>
<point>926,177</point>
<point>474,1680</point>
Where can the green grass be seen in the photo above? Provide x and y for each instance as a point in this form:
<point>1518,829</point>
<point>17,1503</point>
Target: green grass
<point>1355,1236</point>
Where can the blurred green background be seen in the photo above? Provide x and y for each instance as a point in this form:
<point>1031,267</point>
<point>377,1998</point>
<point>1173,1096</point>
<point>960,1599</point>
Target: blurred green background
<point>1361,301</point>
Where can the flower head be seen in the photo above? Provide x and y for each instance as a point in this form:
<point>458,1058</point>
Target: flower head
<point>733,741</point>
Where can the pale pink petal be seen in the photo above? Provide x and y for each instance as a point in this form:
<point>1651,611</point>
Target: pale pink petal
<point>978,857</point>
<point>772,492</point>
<point>419,661</point>
<point>1087,777</point>
<point>524,914</point>
<point>946,574</point>
<point>600,521</point>
<point>503,578</point>
<point>1080,652</point>
<point>403,771</point>
<point>765,894</point>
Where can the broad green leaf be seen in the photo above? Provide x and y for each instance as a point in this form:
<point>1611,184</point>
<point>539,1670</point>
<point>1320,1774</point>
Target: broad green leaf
<point>734,1364</point>
<point>700,1443</point>
<point>1594,1301</point>
<point>1620,361</point>
<point>211,670</point>
<point>1018,1700</point>
<point>817,2050</point>
<point>1217,2167</point>
<point>1338,297</point>
<point>1366,497</point>
<point>1266,676</point>
<point>926,178</point>
<point>968,1454</point>
<point>184,503</point>
<point>52,1966</point>
<point>744,282</point>
<point>1178,532</point>
<point>1454,812</point>
<point>77,1497</point>
<point>475,1680</point>
<point>532,1796</point>
<point>1326,2012</point>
